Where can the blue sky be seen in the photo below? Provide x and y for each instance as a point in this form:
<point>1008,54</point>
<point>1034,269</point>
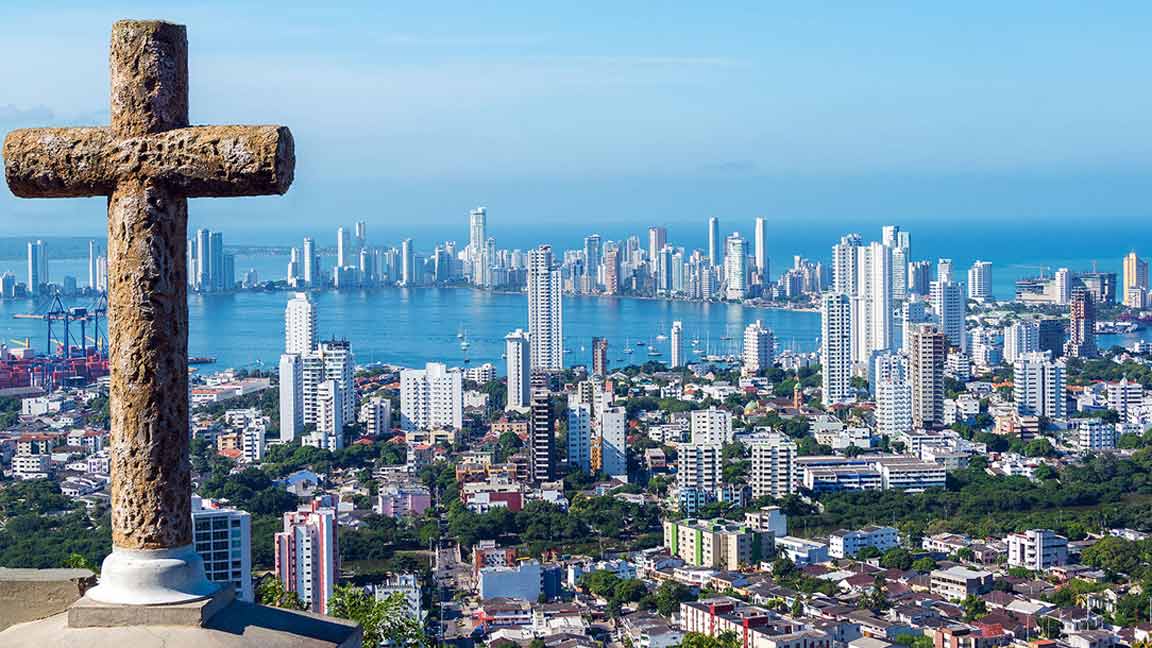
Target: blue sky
<point>648,113</point>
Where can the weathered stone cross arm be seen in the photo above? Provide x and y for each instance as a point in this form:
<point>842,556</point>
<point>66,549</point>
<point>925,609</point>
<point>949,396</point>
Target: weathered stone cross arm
<point>191,162</point>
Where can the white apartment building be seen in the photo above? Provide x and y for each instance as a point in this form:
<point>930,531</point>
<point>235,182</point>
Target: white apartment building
<point>836,347</point>
<point>613,422</point>
<point>949,304</point>
<point>773,470</point>
<point>712,425</point>
<point>517,352</point>
<point>222,537</point>
<point>299,324</point>
<point>1039,385</point>
<point>376,415</point>
<point>1037,549</point>
<point>759,348</point>
<point>545,311</point>
<point>1020,338</point>
<point>677,345</point>
<point>580,436</point>
<point>1093,435</point>
<point>980,281</point>
<point>846,544</point>
<point>431,397</point>
<point>699,469</point>
<point>329,434</point>
<point>291,396</point>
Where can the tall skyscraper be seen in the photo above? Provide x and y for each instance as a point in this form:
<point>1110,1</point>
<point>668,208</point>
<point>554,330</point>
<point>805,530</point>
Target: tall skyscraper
<point>516,351</point>
<point>541,436</point>
<point>980,281</point>
<point>93,273</point>
<point>223,538</point>
<point>361,236</point>
<point>217,273</point>
<point>873,319</point>
<point>1021,337</point>
<point>760,238</point>
<point>657,239</point>
<point>928,349</point>
<point>332,360</point>
<point>1135,289</point>
<point>599,356</point>
<point>759,348</point>
<point>593,249</point>
<point>901,255</point>
<point>844,262</point>
<point>773,472</point>
<point>677,344</point>
<point>343,248</point>
<point>713,241</point>
<point>545,311</point>
<point>330,421</point>
<point>919,278</point>
<point>291,396</point>
<point>299,324</point>
<point>950,306</point>
<point>893,394</point>
<point>735,267</point>
<point>613,423</point>
<point>309,262</point>
<point>1038,385</point>
<point>944,270</point>
<point>580,437</point>
<point>407,263</point>
<point>431,398</point>
<point>477,229</point>
<point>836,347</point>
<point>308,556</point>
<point>37,276</point>
<point>1081,325</point>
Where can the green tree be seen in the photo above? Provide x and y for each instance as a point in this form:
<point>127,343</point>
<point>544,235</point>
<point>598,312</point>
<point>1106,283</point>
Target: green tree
<point>974,607</point>
<point>382,620</point>
<point>271,591</point>
<point>897,558</point>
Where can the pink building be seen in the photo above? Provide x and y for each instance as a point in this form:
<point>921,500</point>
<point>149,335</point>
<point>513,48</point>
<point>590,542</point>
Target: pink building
<point>399,500</point>
<point>307,555</point>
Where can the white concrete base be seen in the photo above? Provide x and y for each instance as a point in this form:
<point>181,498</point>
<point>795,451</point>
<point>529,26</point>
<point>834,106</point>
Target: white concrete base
<point>152,577</point>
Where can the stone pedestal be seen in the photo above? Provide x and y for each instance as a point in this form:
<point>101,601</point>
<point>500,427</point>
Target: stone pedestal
<point>217,621</point>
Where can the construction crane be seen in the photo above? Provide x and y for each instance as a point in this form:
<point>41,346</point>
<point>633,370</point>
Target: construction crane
<point>1042,268</point>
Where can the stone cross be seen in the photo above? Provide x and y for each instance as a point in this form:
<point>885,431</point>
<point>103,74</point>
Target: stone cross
<point>148,163</point>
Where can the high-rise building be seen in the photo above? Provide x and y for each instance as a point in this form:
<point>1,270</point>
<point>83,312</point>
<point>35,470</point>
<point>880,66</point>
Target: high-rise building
<point>376,415</point>
<point>343,248</point>
<point>760,239</point>
<point>949,304</point>
<point>759,348</point>
<point>222,537</point>
<point>713,241</point>
<point>901,249</point>
<point>407,263</point>
<point>893,394</point>
<point>580,437</point>
<point>612,270</point>
<point>310,268</point>
<point>1081,325</point>
<point>844,259</point>
<point>431,398</point>
<point>477,229</point>
<point>980,281</point>
<point>545,311</point>
<point>699,472</point>
<point>541,436</point>
<point>773,470</point>
<point>299,324</point>
<point>1062,286</point>
<point>928,349</point>
<point>735,267</point>
<point>1038,385</point>
<point>329,433</point>
<point>677,344</point>
<point>593,250</point>
<point>657,239</point>
<point>836,347</point>
<point>712,425</point>
<point>291,397</point>
<point>1135,288</point>
<point>872,313</point>
<point>37,264</point>
<point>332,360</point>
<point>93,254</point>
<point>308,556</point>
<point>599,356</point>
<point>516,351</point>
<point>1021,337</point>
<point>1052,336</point>
<point>944,270</point>
<point>919,278</point>
<point>613,424</point>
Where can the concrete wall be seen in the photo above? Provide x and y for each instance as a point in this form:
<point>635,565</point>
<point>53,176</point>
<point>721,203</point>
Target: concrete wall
<point>30,594</point>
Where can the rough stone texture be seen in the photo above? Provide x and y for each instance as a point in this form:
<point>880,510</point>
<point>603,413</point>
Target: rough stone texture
<point>239,624</point>
<point>149,162</point>
<point>30,594</point>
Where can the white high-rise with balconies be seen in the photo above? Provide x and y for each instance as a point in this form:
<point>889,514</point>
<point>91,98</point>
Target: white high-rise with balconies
<point>712,425</point>
<point>773,471</point>
<point>836,347</point>
<point>431,398</point>
<point>1021,337</point>
<point>545,311</point>
<point>518,355</point>
<point>760,238</point>
<point>980,281</point>
<point>677,344</point>
<point>844,261</point>
<point>950,306</point>
<point>1038,385</point>
<point>759,348</point>
<point>299,324</point>
<point>735,267</point>
<point>893,394</point>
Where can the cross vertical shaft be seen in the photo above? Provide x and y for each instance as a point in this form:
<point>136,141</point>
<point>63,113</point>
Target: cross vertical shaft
<point>147,301</point>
